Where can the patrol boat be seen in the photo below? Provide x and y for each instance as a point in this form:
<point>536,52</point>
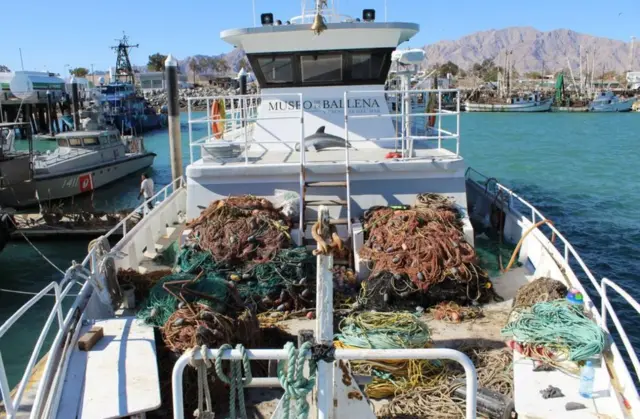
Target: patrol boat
<point>322,69</point>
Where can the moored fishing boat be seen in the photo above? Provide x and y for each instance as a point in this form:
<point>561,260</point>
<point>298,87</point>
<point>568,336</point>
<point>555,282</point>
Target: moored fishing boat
<point>320,139</point>
<point>607,101</point>
<point>533,102</point>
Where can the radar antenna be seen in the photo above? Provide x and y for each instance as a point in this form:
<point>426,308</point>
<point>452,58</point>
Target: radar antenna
<point>124,71</point>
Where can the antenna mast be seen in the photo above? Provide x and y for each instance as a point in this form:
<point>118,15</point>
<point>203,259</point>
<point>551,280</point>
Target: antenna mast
<point>123,64</point>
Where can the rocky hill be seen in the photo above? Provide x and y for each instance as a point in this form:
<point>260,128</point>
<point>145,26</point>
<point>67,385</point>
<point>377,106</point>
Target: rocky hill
<point>531,48</point>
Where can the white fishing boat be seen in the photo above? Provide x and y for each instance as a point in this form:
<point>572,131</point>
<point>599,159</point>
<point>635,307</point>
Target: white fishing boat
<point>607,101</point>
<point>534,102</point>
<point>320,129</point>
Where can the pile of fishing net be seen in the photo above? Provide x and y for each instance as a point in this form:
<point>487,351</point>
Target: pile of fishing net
<point>554,331</point>
<point>435,397</point>
<point>371,330</point>
<point>242,231</point>
<point>540,290</point>
<point>419,256</point>
<point>239,256</point>
<point>196,325</point>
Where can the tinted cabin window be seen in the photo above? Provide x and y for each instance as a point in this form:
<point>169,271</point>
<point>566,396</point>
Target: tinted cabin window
<point>321,68</point>
<point>91,141</point>
<point>366,66</point>
<point>62,142</point>
<point>277,69</point>
<point>75,142</point>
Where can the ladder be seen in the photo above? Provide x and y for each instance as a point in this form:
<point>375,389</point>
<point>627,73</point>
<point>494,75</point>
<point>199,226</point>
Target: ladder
<point>306,203</point>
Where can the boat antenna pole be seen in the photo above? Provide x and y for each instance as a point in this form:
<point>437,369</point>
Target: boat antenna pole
<point>123,64</point>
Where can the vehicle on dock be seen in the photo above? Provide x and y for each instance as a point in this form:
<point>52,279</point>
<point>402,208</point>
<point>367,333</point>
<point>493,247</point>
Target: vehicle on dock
<point>307,162</point>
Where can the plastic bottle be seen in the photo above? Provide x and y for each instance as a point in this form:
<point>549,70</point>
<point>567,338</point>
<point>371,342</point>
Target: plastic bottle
<point>586,380</point>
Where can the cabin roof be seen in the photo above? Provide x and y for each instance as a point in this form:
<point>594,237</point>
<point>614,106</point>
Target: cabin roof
<point>12,124</point>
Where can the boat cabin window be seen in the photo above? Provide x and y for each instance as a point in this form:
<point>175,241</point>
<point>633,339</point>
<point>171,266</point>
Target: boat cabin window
<point>62,142</point>
<point>91,141</point>
<point>113,139</point>
<point>75,142</point>
<point>322,68</point>
<point>276,70</point>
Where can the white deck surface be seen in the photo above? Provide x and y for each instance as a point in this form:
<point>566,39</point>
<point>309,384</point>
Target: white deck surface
<point>260,156</point>
<point>118,377</point>
<point>530,404</point>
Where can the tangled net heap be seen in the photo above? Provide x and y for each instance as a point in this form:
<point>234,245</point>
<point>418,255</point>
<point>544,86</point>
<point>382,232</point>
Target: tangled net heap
<point>435,398</point>
<point>242,231</point>
<point>195,325</point>
<point>540,290</point>
<point>424,251</point>
<point>386,331</point>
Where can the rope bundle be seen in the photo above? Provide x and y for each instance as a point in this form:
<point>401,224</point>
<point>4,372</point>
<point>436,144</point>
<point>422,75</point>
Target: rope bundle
<point>559,327</point>
<point>386,331</point>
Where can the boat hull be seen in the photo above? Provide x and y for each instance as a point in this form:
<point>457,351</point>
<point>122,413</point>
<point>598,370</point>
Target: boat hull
<point>543,106</point>
<point>570,109</point>
<point>622,106</point>
<point>67,185</point>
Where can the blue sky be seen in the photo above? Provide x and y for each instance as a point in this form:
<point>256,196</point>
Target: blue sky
<point>80,34</point>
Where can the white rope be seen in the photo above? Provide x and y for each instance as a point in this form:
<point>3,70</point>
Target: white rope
<point>35,248</point>
<point>202,365</point>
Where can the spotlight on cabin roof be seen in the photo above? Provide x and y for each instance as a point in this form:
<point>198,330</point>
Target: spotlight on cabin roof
<point>266,19</point>
<point>369,15</point>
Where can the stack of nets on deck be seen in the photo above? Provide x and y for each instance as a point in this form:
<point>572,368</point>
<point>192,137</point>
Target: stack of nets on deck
<point>419,257</point>
<point>239,261</point>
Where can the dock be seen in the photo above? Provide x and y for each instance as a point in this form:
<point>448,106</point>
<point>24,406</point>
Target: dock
<point>81,225</point>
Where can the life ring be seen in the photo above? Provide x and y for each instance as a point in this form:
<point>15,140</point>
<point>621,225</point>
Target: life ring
<point>218,116</point>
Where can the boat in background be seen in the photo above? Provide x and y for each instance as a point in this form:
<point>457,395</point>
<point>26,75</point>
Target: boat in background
<point>532,102</point>
<point>123,107</point>
<point>607,101</point>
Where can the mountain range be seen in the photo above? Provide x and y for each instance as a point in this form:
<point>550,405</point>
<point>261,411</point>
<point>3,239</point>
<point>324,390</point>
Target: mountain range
<point>531,50</point>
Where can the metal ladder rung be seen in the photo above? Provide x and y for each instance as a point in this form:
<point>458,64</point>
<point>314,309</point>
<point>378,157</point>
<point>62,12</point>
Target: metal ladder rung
<point>336,221</point>
<point>340,202</point>
<point>325,184</point>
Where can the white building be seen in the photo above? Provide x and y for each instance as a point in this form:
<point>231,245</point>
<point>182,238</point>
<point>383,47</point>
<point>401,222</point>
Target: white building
<point>154,80</point>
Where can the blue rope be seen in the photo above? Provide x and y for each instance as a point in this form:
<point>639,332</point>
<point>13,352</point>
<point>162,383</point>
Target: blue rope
<point>295,385</point>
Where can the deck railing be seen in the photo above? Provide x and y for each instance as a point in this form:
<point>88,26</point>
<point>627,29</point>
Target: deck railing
<point>562,246</point>
<point>85,273</point>
<point>242,116</point>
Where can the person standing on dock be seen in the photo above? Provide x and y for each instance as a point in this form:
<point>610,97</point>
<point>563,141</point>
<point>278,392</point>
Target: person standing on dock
<point>146,189</point>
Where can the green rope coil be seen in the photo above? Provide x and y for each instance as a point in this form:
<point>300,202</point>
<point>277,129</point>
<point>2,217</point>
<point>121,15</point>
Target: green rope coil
<point>559,326</point>
<point>295,385</point>
<point>234,379</point>
<point>384,331</point>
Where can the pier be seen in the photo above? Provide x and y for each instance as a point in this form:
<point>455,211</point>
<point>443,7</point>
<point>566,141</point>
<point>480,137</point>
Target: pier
<point>50,226</point>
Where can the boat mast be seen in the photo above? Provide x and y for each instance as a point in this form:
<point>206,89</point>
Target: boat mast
<point>124,70</point>
<point>581,79</point>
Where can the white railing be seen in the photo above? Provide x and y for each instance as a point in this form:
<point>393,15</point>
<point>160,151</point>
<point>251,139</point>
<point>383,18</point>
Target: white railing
<point>606,308</point>
<point>87,272</point>
<point>471,381</point>
<point>239,121</point>
<point>560,245</point>
<point>408,118</point>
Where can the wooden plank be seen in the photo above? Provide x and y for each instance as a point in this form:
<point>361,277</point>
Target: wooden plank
<point>529,401</point>
<point>86,342</point>
<point>121,376</point>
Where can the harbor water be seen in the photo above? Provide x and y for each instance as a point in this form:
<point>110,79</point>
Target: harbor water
<point>577,169</point>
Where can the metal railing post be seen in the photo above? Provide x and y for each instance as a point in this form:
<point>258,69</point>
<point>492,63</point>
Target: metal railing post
<point>191,131</point>
<point>5,390</point>
<point>603,305</point>
<point>439,117</point>
<point>458,123</point>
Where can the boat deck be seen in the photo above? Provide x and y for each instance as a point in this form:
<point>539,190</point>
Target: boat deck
<point>284,156</point>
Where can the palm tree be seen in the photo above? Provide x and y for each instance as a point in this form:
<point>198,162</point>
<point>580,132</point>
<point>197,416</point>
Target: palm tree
<point>194,66</point>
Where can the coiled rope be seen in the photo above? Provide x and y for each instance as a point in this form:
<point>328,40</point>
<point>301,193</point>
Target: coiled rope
<point>559,327</point>
<point>234,380</point>
<point>295,385</point>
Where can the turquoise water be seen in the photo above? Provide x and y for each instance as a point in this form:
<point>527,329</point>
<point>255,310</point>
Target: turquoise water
<point>578,169</point>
